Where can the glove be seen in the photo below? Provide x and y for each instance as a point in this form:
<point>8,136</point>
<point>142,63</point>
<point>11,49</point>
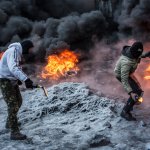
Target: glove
<point>147,54</point>
<point>134,96</point>
<point>29,83</point>
<point>19,82</point>
<point>36,86</point>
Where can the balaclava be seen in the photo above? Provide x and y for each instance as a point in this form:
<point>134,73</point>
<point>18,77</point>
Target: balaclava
<point>26,45</point>
<point>136,49</point>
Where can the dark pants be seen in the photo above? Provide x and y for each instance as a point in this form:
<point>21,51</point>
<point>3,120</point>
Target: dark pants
<point>136,89</point>
<point>13,99</point>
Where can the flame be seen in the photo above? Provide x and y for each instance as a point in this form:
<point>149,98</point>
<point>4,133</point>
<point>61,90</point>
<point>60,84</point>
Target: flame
<point>60,64</point>
<point>140,100</point>
<point>1,54</point>
<point>147,71</point>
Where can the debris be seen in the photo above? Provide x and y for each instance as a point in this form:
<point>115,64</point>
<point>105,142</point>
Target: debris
<point>93,119</point>
<point>121,146</point>
<point>108,125</point>
<point>28,141</point>
<point>147,147</point>
<point>99,140</point>
<point>58,122</point>
<point>86,127</point>
<point>142,124</point>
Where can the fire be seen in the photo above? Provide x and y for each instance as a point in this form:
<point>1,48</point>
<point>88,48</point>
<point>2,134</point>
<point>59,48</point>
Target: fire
<point>61,64</point>
<point>147,71</point>
<point>1,54</point>
<point>147,77</point>
<point>140,99</point>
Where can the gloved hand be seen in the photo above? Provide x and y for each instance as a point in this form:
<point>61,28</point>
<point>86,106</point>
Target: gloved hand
<point>19,82</point>
<point>36,86</point>
<point>134,96</point>
<point>147,54</point>
<point>29,83</point>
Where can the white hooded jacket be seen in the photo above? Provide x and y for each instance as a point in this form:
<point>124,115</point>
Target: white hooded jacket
<point>9,63</point>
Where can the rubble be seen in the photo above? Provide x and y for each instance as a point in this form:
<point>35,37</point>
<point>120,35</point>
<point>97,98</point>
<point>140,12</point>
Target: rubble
<point>73,118</point>
<point>99,140</point>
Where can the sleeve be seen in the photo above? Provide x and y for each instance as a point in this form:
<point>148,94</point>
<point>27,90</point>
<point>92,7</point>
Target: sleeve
<point>146,54</point>
<point>125,70</point>
<point>13,64</point>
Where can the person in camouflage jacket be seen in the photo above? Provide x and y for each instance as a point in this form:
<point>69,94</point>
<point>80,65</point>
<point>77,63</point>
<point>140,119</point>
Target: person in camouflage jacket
<point>124,72</point>
<point>11,75</point>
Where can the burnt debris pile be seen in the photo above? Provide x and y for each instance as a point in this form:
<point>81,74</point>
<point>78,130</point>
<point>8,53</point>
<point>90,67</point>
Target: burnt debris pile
<point>65,98</point>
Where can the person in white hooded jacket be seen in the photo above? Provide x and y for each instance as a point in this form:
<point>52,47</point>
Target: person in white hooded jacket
<point>11,76</point>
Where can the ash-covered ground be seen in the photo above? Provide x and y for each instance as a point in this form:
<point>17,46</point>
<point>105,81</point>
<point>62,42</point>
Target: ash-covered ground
<point>75,118</point>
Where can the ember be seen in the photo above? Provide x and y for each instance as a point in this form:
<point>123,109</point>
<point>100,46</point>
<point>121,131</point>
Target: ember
<point>63,64</point>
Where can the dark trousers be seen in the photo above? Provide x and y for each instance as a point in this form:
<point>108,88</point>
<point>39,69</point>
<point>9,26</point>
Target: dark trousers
<point>136,89</point>
<point>13,99</point>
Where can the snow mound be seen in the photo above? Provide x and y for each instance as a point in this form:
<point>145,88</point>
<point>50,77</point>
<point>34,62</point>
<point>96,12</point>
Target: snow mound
<point>65,97</point>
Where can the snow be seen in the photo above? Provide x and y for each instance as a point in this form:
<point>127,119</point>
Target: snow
<point>74,118</point>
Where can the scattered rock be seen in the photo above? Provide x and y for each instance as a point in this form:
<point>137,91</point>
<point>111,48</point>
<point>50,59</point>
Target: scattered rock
<point>71,121</point>
<point>28,141</point>
<point>4,131</point>
<point>64,122</point>
<point>93,119</point>
<point>147,147</point>
<point>107,124</point>
<point>99,140</point>
<point>113,109</point>
<point>85,128</point>
<point>142,124</point>
<point>64,132</point>
<point>121,146</point>
<point>84,146</point>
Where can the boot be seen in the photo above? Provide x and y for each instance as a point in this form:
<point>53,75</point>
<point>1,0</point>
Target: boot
<point>129,106</point>
<point>17,136</point>
<point>7,126</point>
<point>127,109</point>
<point>132,116</point>
<point>127,115</point>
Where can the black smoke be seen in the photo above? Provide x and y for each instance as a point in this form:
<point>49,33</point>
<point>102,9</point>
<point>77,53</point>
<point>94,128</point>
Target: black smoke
<point>54,25</point>
<point>133,19</point>
<point>57,24</point>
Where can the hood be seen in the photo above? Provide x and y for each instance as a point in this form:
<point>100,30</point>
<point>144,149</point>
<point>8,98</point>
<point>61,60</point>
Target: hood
<point>17,46</point>
<point>136,49</point>
<point>126,52</point>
